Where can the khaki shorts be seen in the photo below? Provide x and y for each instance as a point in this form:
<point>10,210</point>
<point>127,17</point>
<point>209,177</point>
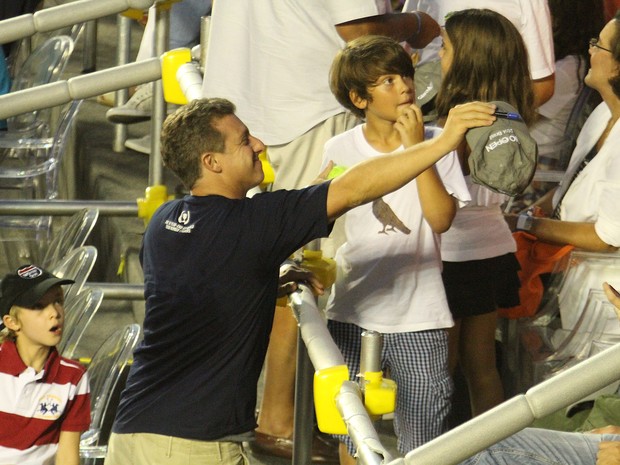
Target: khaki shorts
<point>155,449</point>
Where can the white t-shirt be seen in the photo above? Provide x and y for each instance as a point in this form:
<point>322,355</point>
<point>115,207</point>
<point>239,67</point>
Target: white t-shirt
<point>531,17</point>
<point>594,195</point>
<point>548,131</point>
<point>271,58</point>
<point>389,268</point>
<point>478,230</point>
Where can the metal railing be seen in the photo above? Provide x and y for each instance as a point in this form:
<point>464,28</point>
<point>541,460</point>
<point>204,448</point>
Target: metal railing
<point>450,448</point>
<point>50,19</point>
<point>469,438</point>
<point>96,83</point>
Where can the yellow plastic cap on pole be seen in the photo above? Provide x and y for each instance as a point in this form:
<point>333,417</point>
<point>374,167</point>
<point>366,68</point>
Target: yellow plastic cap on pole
<point>170,63</point>
<point>154,197</point>
<point>327,384</point>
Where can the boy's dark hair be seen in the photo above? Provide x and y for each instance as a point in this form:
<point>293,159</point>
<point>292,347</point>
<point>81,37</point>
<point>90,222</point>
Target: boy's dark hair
<point>189,132</point>
<point>357,67</point>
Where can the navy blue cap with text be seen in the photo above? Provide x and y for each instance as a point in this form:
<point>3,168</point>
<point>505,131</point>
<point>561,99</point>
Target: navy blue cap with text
<point>26,286</point>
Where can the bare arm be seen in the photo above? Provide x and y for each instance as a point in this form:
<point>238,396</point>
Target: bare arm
<point>579,234</point>
<point>438,207</point>
<point>543,89</point>
<point>376,177</point>
<point>399,26</point>
<point>545,203</point>
<point>68,448</point>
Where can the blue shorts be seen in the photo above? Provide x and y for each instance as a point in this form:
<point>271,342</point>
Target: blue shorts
<point>418,363</point>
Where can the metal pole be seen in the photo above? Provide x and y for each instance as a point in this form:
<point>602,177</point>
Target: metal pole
<point>205,26</point>
<point>120,291</point>
<point>370,352</point>
<point>303,427</point>
<point>66,207</point>
<point>162,32</point>
<point>303,424</point>
<point>89,59</point>
<point>123,30</point>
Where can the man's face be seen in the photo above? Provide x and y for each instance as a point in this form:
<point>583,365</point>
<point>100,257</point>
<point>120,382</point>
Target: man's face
<point>239,160</point>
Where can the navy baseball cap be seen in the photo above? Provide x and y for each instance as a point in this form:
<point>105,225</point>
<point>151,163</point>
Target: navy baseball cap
<point>26,286</point>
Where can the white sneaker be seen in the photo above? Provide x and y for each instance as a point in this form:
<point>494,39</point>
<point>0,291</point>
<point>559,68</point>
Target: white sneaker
<point>137,109</point>
<point>142,144</point>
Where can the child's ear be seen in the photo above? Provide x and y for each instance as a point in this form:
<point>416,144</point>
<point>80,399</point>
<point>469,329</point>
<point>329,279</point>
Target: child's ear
<point>358,101</point>
<point>10,322</point>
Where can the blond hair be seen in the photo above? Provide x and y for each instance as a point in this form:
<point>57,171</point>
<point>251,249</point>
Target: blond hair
<point>8,334</point>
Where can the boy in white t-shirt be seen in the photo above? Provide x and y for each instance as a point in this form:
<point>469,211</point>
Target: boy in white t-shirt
<point>389,268</point>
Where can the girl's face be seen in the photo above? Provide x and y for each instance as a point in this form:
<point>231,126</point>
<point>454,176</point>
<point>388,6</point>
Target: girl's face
<point>446,53</point>
<point>603,65</point>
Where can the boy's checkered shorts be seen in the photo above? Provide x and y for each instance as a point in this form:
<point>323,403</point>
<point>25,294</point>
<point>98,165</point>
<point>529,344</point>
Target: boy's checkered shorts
<point>418,363</point>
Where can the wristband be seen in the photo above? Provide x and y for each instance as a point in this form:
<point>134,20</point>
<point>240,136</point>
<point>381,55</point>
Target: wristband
<point>525,222</point>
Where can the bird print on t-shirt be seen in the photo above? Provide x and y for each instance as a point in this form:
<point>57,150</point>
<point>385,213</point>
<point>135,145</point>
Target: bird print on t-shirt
<point>386,216</point>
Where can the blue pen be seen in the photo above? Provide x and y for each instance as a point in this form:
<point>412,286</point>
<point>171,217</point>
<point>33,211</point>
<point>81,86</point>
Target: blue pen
<point>507,115</point>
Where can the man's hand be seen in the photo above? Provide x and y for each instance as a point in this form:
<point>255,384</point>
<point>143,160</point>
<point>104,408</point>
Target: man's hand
<point>290,275</point>
<point>461,118</point>
<point>410,126</point>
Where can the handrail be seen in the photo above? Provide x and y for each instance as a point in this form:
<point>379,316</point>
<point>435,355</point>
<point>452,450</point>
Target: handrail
<point>469,438</point>
<point>518,412</point>
<point>66,207</point>
<point>324,353</point>
<point>50,19</point>
<point>79,87</point>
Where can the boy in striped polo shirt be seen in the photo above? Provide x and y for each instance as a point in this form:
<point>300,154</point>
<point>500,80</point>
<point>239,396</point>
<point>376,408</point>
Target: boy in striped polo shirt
<point>45,401</point>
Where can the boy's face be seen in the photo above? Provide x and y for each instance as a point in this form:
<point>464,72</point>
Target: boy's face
<point>42,325</point>
<point>390,95</point>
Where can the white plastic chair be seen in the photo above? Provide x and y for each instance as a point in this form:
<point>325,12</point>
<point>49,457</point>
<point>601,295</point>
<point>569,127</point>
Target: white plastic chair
<point>31,150</point>
<point>106,372</point>
<point>29,169</point>
<point>77,266</point>
<point>78,315</point>
<point>44,65</point>
<point>72,235</point>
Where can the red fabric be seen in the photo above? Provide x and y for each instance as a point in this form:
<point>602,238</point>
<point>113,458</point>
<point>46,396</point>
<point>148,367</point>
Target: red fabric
<point>536,258</point>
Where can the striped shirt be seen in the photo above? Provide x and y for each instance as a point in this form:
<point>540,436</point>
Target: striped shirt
<point>36,407</point>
